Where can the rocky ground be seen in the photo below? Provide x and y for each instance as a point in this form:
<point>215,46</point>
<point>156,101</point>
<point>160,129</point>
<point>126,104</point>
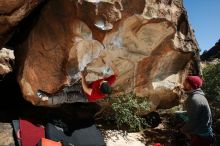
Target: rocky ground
<point>163,134</point>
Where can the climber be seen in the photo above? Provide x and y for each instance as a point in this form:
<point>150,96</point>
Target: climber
<point>96,90</point>
<point>198,126</point>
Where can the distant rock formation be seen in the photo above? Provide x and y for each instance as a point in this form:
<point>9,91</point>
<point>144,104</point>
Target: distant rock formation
<point>212,53</point>
<point>150,42</point>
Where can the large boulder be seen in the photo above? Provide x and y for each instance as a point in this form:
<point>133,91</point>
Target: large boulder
<point>150,42</point>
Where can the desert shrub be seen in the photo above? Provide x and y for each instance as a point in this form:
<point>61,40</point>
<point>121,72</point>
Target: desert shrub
<point>211,87</point>
<point>127,108</point>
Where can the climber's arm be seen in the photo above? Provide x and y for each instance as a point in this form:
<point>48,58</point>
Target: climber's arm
<point>85,86</point>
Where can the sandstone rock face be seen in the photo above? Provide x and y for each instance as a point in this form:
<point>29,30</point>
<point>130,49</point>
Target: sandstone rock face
<point>11,13</point>
<point>6,60</point>
<point>150,42</point>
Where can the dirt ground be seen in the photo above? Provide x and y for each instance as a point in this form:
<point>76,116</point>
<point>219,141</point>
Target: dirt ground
<point>166,133</point>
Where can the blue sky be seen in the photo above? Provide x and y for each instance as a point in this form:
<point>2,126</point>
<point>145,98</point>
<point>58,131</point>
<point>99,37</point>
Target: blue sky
<point>204,16</point>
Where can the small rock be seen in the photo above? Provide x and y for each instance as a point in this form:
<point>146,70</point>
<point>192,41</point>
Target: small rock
<point>6,135</point>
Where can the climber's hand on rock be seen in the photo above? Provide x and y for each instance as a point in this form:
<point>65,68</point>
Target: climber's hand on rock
<point>83,74</point>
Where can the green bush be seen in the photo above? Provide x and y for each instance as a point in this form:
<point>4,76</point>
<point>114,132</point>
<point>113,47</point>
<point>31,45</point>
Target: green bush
<point>126,109</point>
<point>211,87</point>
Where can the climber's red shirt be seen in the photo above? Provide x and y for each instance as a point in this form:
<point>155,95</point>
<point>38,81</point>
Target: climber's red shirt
<point>96,93</point>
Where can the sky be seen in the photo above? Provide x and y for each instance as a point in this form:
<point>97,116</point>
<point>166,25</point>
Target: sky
<point>204,16</point>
